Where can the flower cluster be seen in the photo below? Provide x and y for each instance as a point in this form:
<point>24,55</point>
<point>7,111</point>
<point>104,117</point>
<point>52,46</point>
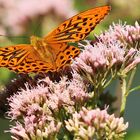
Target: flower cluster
<point>43,111</point>
<point>55,95</point>
<point>37,125</point>
<point>40,108</point>
<point>109,57</point>
<point>96,124</point>
<point>127,35</point>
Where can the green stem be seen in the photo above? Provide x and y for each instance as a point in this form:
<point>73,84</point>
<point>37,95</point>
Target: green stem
<point>130,81</point>
<point>109,81</point>
<point>126,90</point>
<point>113,75</point>
<point>123,102</point>
<point>134,89</point>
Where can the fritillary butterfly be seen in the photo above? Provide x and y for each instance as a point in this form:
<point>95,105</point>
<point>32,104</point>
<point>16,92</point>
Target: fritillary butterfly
<point>52,52</point>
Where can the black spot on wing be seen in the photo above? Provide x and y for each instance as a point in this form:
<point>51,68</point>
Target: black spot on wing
<point>86,30</point>
<point>91,24</point>
<point>78,18</point>
<point>61,57</point>
<point>96,15</point>
<point>68,52</point>
<point>85,23</point>
<point>85,19</point>
<point>79,29</point>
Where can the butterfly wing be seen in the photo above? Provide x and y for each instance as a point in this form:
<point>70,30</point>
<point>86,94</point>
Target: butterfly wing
<point>77,27</point>
<point>63,54</point>
<point>24,59</point>
<point>72,30</point>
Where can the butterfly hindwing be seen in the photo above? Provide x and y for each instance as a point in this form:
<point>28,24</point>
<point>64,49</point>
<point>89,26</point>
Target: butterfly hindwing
<point>77,27</point>
<point>65,54</point>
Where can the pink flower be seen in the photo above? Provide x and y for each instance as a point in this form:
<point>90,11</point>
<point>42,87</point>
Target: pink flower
<point>66,93</point>
<point>31,130</point>
<point>96,63</point>
<point>18,130</point>
<point>127,35</point>
<point>39,109</point>
<point>109,57</point>
<point>55,96</point>
<point>92,124</point>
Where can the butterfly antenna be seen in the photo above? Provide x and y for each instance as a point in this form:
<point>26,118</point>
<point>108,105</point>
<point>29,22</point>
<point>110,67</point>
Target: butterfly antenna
<point>2,35</point>
<point>14,37</point>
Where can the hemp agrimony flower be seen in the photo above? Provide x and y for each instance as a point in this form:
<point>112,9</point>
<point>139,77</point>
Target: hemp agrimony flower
<point>41,108</point>
<point>110,56</point>
<point>96,124</point>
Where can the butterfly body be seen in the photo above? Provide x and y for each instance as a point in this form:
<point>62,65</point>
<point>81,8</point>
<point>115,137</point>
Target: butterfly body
<point>52,52</point>
<point>41,47</point>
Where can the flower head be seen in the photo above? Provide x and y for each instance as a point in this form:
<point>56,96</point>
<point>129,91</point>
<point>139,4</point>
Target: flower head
<point>109,57</point>
<point>96,124</point>
<point>51,94</point>
<point>40,107</point>
<point>129,35</point>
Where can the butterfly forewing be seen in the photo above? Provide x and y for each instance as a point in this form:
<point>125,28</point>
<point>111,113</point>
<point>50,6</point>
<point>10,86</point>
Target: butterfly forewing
<point>77,27</point>
<point>23,59</point>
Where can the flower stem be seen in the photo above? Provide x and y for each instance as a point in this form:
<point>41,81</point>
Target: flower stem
<point>123,102</point>
<point>130,81</point>
<point>134,89</point>
<point>126,90</point>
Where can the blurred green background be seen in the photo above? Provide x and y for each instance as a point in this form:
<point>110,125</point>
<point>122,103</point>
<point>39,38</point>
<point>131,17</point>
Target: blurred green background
<point>23,18</point>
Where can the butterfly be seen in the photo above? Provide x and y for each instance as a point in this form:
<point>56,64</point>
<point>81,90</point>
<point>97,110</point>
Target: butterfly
<point>52,52</point>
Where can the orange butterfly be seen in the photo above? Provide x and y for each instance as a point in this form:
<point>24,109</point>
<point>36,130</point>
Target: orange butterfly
<point>52,52</point>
